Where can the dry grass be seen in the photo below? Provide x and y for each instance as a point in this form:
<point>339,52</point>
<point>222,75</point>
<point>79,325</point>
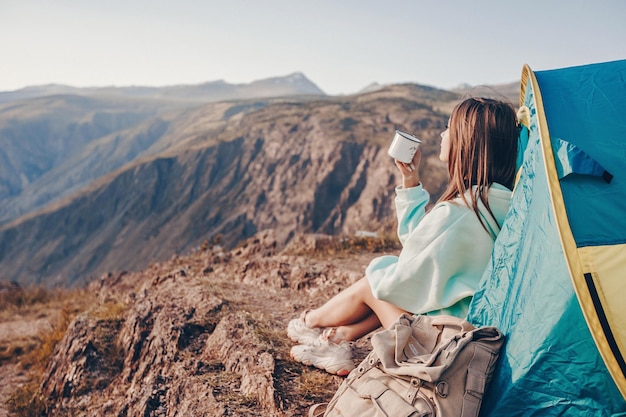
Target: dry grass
<point>18,298</point>
<point>23,307</point>
<point>110,318</point>
<point>270,335</point>
<point>37,359</point>
<point>58,307</point>
<point>225,387</point>
<point>316,385</point>
<point>301,386</point>
<point>338,246</point>
<point>26,401</point>
<point>109,311</point>
<point>353,245</point>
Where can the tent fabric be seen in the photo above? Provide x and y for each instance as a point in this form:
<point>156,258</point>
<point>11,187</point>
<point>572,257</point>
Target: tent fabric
<point>595,97</point>
<point>572,160</point>
<point>557,273</point>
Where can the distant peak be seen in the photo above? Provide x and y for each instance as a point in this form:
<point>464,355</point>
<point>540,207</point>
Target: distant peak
<point>371,87</point>
<point>215,82</point>
<point>296,77</point>
<point>463,86</point>
<point>293,77</point>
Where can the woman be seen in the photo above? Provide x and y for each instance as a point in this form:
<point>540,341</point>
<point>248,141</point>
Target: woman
<point>444,252</point>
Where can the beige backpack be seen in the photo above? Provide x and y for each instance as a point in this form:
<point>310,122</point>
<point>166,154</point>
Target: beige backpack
<point>420,366</point>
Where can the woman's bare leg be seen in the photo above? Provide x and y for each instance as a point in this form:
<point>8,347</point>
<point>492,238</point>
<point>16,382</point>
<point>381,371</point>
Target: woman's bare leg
<point>356,330</point>
<point>354,311</point>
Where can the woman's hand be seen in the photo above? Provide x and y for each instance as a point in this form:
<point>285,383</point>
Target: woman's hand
<point>410,174</point>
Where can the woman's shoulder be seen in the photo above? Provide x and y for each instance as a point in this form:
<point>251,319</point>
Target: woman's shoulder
<point>496,192</point>
<point>499,200</point>
<point>450,211</point>
<point>499,191</point>
<point>445,221</point>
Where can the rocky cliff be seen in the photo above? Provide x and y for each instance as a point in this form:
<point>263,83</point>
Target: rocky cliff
<point>292,166</point>
<point>57,139</point>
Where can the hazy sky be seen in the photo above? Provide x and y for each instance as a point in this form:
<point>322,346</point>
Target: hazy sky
<point>341,46</point>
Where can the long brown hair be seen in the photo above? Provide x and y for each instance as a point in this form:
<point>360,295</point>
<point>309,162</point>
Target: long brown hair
<point>483,150</point>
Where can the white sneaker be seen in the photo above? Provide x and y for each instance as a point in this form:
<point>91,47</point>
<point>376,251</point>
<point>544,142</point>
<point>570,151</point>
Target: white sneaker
<point>324,354</point>
<point>298,331</point>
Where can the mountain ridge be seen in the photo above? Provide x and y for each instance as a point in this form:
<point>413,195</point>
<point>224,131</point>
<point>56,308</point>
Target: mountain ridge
<point>292,84</point>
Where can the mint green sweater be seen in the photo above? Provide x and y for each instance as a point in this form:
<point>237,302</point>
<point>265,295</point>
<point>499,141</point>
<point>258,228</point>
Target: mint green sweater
<point>444,252</point>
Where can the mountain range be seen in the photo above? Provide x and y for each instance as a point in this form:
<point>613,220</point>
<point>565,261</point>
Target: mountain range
<point>292,84</point>
<point>109,179</point>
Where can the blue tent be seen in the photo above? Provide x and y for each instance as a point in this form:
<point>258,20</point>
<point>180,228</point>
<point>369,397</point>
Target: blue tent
<point>556,285</point>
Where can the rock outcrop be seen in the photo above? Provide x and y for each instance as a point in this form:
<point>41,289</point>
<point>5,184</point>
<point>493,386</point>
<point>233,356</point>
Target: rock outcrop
<point>202,335</point>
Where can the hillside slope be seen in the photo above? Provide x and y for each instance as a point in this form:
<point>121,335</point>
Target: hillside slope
<point>43,141</point>
<point>62,138</point>
<point>293,166</point>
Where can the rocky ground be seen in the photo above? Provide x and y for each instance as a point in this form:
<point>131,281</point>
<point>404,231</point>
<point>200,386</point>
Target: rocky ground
<point>199,335</point>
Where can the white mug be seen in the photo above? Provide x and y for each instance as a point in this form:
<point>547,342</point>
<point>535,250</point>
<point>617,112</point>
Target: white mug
<point>403,147</point>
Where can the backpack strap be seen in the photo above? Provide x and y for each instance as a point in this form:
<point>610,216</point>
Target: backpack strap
<point>318,410</point>
<point>479,367</point>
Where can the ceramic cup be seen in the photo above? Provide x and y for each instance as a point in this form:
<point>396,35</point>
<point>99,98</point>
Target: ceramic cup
<point>403,147</point>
